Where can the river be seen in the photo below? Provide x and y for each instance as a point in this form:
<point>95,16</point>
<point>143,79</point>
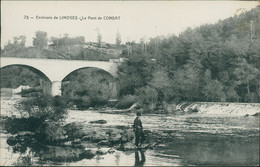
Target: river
<point>190,139</point>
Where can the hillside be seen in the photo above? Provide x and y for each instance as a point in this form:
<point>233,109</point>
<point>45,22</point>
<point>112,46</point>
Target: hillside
<point>210,63</point>
<point>62,52</point>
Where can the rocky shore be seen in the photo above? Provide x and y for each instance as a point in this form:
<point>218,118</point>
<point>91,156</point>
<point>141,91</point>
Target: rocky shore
<point>83,141</point>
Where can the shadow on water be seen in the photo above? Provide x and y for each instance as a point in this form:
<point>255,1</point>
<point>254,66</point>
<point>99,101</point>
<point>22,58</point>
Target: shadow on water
<point>139,161</point>
<point>212,149</point>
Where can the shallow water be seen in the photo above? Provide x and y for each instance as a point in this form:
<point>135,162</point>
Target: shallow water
<point>192,139</point>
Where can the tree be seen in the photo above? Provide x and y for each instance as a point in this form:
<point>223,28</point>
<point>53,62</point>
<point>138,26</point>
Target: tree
<point>66,40</point>
<point>99,37</point>
<point>246,74</point>
<point>148,97</point>
<point>186,83</point>
<point>213,91</point>
<point>162,83</point>
<point>9,46</point>
<point>18,43</point>
<point>143,45</point>
<point>133,73</point>
<point>14,76</point>
<point>40,40</point>
<point>118,38</point>
<point>87,87</point>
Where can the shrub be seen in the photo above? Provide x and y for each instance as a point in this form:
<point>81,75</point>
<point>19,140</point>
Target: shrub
<point>126,102</point>
<point>43,107</point>
<point>42,115</point>
<point>251,98</point>
<point>148,97</point>
<point>82,102</point>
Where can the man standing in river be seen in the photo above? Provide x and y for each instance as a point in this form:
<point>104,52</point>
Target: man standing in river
<point>138,129</point>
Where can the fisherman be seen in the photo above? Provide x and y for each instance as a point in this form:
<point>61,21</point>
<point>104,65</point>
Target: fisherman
<point>138,129</point>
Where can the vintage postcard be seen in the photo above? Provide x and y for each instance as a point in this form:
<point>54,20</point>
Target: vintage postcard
<point>130,83</point>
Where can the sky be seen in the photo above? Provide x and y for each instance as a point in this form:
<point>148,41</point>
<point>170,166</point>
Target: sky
<point>135,19</point>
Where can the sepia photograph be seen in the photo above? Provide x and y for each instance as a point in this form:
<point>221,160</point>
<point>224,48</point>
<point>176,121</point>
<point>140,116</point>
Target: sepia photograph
<point>130,83</point>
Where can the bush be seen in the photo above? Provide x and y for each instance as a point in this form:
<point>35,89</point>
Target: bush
<point>251,98</point>
<point>148,97</point>
<point>126,102</point>
<point>87,88</point>
<point>82,102</point>
<point>41,115</point>
<point>43,107</point>
<point>32,92</point>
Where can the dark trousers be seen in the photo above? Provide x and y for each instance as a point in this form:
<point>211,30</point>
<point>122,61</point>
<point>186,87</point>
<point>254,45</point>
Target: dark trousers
<point>139,137</point>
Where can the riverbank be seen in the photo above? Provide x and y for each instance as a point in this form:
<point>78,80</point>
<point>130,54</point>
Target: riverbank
<point>83,141</point>
<point>199,108</point>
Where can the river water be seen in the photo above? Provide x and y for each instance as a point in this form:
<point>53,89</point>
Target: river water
<point>191,139</point>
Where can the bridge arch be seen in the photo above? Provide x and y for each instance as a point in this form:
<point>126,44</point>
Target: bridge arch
<point>99,75</point>
<point>96,68</point>
<point>45,82</point>
<point>37,71</point>
<point>56,70</point>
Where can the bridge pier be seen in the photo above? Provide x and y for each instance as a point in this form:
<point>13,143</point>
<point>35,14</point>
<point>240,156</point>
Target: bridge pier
<point>113,88</point>
<point>56,88</point>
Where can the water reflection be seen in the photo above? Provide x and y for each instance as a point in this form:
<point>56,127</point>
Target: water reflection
<point>117,158</point>
<point>139,161</point>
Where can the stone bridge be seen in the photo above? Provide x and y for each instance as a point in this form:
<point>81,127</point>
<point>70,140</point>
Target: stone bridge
<point>56,69</point>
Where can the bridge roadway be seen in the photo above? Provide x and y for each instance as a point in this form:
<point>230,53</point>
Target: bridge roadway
<point>56,69</point>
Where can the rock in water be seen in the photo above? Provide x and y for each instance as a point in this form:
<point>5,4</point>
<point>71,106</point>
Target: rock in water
<point>98,122</point>
<point>111,150</point>
<point>129,146</point>
<point>102,151</point>
<point>88,154</point>
<point>11,141</point>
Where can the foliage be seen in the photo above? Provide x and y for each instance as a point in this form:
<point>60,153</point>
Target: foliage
<point>148,97</point>
<point>134,73</point>
<point>40,40</point>
<point>187,83</point>
<point>118,39</point>
<point>99,38</point>
<point>44,107</point>
<point>42,115</point>
<point>126,102</point>
<point>213,91</point>
<point>87,88</point>
<point>18,43</point>
<point>163,84</point>
<point>14,76</point>
<point>217,62</point>
<point>66,40</point>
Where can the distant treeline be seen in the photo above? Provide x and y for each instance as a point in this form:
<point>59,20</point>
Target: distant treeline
<point>63,47</point>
